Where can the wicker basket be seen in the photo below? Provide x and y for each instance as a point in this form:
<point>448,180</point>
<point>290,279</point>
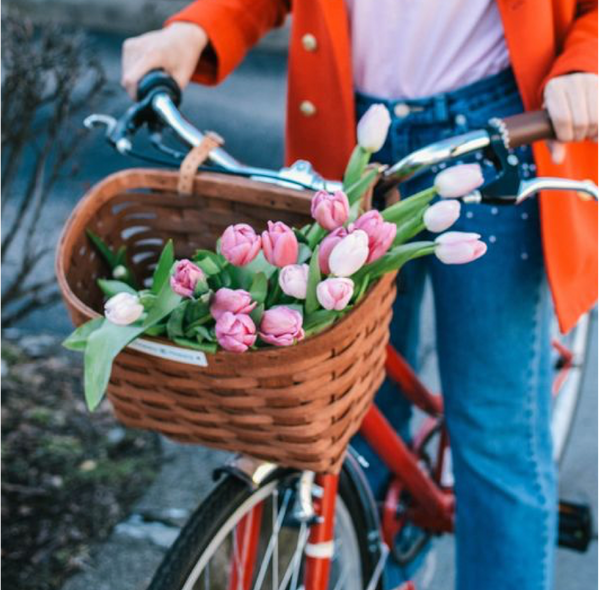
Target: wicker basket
<point>296,406</point>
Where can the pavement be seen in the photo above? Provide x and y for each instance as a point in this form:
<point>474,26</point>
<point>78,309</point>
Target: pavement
<point>248,111</point>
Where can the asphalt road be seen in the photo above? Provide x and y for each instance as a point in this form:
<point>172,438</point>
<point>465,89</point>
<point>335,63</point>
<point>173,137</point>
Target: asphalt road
<point>248,111</point>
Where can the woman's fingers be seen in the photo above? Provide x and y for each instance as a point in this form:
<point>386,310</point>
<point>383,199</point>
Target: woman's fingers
<point>572,103</point>
<point>557,104</point>
<point>592,105</point>
<point>576,92</point>
<point>558,151</point>
<point>175,49</point>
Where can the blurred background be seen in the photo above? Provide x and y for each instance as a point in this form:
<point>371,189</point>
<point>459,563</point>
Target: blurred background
<point>87,503</point>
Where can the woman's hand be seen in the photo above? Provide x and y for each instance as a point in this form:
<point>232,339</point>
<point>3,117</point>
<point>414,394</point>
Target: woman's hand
<point>176,49</point>
<point>572,103</point>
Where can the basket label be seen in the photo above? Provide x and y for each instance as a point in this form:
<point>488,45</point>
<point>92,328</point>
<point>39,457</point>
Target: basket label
<point>171,353</point>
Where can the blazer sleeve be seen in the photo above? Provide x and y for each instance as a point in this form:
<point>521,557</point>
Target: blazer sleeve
<point>233,27</point>
<point>579,50</point>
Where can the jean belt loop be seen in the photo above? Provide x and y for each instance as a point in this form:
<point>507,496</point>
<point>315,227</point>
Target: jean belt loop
<point>441,109</point>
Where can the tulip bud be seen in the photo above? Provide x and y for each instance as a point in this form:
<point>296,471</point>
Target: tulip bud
<point>330,210</point>
<point>186,278</point>
<point>381,233</point>
<point>335,293</point>
<point>458,181</point>
<point>280,245</point>
<point>281,326</point>
<point>373,128</point>
<point>441,215</point>
<point>236,301</point>
<point>119,272</point>
<point>327,245</point>
<point>239,244</point>
<point>455,247</point>
<point>349,254</point>
<point>235,332</point>
<point>293,280</point>
<point>123,309</point>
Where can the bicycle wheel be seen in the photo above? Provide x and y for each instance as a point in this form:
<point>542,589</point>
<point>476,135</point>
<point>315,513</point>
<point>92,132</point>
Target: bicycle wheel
<point>211,546</point>
<point>569,361</point>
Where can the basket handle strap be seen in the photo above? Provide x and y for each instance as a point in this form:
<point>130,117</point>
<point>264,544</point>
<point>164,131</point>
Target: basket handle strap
<point>196,156</point>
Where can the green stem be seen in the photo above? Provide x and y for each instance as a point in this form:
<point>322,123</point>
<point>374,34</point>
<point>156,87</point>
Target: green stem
<point>315,234</point>
<point>394,213</point>
<point>409,230</point>
<point>356,166</point>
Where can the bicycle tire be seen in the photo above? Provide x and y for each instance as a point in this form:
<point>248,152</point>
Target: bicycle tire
<point>223,506</point>
<point>568,397</point>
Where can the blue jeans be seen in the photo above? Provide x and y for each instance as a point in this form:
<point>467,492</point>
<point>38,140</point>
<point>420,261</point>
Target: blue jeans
<point>493,344</point>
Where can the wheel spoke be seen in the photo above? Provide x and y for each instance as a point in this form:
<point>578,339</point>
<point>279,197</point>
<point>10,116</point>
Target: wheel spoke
<point>294,565</point>
<point>207,576</point>
<point>273,545</point>
<point>278,524</point>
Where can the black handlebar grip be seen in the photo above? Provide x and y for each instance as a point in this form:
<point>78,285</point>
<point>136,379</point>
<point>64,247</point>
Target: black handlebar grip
<point>158,80</point>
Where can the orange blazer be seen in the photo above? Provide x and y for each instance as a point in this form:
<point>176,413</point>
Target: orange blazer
<point>545,38</point>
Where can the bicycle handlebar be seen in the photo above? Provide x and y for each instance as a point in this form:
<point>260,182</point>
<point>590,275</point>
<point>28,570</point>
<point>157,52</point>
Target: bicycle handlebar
<point>527,128</point>
<point>159,97</point>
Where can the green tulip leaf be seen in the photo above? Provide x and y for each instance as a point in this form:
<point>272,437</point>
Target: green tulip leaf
<point>210,347</point>
<point>111,288</point>
<point>162,272</point>
<point>105,343</point>
<point>79,337</point>
<point>314,278</point>
<point>258,288</point>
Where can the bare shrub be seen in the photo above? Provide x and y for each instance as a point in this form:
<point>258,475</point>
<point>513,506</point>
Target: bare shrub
<point>49,79</point>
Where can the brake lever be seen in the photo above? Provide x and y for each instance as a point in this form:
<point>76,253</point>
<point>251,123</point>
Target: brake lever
<point>98,119</point>
<point>535,185</point>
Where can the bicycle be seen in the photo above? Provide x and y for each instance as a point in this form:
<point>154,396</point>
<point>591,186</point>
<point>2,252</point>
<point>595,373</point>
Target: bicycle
<point>264,525</point>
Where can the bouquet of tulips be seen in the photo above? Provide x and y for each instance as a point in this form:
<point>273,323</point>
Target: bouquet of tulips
<point>285,284</point>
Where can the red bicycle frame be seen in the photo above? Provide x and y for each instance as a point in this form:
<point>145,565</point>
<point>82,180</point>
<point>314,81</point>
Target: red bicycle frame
<point>432,507</point>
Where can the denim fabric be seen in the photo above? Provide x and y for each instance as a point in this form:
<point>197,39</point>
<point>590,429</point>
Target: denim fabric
<point>493,344</point>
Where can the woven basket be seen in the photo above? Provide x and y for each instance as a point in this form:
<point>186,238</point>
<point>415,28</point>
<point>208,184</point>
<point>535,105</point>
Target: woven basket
<point>296,406</point>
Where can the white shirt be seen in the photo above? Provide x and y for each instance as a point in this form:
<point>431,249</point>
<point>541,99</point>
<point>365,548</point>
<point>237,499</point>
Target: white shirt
<point>416,48</point>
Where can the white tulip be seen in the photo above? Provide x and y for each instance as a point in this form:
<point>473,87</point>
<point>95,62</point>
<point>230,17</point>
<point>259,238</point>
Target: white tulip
<point>373,128</point>
<point>293,280</point>
<point>123,309</point>
<point>349,254</point>
<point>441,215</point>
<point>458,181</point>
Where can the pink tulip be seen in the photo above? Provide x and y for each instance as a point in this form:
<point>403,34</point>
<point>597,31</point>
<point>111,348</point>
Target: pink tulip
<point>335,293</point>
<point>281,326</point>
<point>441,215</point>
<point>381,233</point>
<point>239,244</point>
<point>455,247</point>
<point>458,181</point>
<point>327,245</point>
<point>293,280</point>
<point>373,128</point>
<point>235,332</point>
<point>280,245</point>
<point>186,277</point>
<point>235,301</point>
<point>330,210</point>
<point>349,254</point>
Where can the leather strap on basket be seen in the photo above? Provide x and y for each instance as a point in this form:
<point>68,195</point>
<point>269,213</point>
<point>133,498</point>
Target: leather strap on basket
<point>194,159</point>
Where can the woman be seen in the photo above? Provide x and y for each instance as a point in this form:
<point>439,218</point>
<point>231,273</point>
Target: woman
<point>441,69</point>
